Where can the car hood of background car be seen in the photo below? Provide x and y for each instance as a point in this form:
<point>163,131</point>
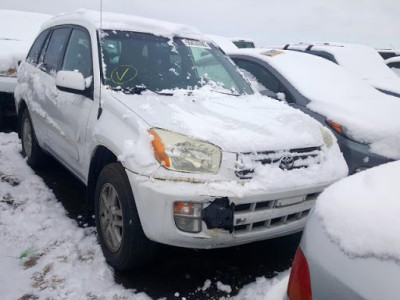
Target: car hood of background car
<point>369,116</point>
<point>236,124</point>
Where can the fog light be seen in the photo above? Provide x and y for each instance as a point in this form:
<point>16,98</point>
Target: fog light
<point>187,216</point>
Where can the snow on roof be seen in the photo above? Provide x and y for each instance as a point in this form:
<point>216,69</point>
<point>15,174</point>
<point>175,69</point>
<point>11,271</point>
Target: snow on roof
<point>367,114</point>
<point>361,212</point>
<point>127,22</point>
<point>224,43</point>
<point>362,61</point>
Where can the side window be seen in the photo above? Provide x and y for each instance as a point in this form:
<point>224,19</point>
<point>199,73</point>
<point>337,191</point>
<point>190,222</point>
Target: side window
<point>209,68</point>
<point>263,76</point>
<point>78,55</point>
<point>36,48</point>
<point>55,48</point>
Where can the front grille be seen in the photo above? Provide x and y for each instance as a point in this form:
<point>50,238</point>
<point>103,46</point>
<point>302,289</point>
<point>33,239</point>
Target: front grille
<point>301,158</point>
<point>250,217</point>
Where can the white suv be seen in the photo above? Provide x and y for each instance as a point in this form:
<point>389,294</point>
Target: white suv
<point>168,136</point>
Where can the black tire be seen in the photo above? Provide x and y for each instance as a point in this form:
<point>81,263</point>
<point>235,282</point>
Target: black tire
<point>135,249</point>
<point>35,156</point>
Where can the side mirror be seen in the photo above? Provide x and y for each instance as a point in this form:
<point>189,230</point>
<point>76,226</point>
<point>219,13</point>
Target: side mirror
<point>270,94</point>
<point>71,82</point>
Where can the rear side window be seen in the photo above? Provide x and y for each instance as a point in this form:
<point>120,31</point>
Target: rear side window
<point>36,48</point>
<point>78,55</point>
<point>55,49</point>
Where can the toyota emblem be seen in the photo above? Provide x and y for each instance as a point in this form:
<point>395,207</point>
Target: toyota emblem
<point>286,162</point>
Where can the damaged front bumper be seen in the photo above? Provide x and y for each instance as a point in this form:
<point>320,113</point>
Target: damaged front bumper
<point>225,218</point>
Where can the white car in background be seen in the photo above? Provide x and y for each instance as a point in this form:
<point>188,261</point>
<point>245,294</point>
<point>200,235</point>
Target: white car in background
<point>363,61</point>
<point>350,247</point>
<point>168,136</point>
<point>17,32</point>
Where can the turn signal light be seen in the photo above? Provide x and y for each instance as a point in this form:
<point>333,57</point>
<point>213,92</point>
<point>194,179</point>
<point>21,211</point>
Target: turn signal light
<point>335,126</point>
<point>299,287</point>
<point>159,150</point>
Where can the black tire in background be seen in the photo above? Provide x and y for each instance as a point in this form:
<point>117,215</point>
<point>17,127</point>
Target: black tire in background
<point>30,146</point>
<point>134,249</point>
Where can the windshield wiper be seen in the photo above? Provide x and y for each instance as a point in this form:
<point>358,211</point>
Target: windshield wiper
<point>138,90</point>
<point>226,93</point>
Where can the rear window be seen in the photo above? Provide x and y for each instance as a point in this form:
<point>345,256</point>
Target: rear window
<point>36,48</point>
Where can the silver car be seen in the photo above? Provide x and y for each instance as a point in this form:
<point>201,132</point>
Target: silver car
<point>361,261</point>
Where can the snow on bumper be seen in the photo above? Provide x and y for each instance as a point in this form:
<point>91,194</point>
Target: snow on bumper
<point>258,215</point>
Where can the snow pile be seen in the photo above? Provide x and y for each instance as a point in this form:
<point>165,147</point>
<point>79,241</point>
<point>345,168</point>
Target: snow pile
<point>224,287</point>
<point>361,212</point>
<point>61,260</point>
<point>367,115</point>
<point>265,289</point>
<point>18,29</point>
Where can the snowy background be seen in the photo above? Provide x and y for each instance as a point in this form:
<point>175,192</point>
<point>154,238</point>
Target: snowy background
<point>371,22</point>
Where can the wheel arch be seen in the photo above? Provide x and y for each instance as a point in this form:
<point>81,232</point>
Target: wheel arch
<point>101,156</point>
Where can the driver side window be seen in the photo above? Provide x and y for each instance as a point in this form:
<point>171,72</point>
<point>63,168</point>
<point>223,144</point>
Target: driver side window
<point>78,55</point>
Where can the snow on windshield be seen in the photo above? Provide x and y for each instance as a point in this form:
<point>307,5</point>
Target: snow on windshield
<point>361,212</point>
<point>156,63</point>
<point>367,114</point>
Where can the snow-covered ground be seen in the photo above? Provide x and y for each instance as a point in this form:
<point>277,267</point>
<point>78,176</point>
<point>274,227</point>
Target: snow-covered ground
<point>43,252</point>
<point>45,255</point>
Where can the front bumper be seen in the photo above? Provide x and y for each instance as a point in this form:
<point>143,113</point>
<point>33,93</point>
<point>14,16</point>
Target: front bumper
<point>359,157</point>
<point>8,84</point>
<point>258,215</point>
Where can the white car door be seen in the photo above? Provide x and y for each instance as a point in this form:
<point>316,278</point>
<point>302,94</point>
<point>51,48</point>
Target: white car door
<point>34,80</point>
<point>68,49</point>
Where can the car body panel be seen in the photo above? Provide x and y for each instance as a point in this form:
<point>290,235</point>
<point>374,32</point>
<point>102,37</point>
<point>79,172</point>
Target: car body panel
<point>338,275</point>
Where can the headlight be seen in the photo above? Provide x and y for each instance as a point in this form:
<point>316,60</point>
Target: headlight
<point>327,136</point>
<point>181,153</point>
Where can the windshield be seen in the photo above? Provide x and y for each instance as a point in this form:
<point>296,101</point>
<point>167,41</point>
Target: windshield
<point>133,61</point>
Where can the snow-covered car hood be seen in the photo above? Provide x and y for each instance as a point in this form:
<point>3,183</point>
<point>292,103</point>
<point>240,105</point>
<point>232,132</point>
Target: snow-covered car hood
<point>236,124</point>
<point>386,84</point>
